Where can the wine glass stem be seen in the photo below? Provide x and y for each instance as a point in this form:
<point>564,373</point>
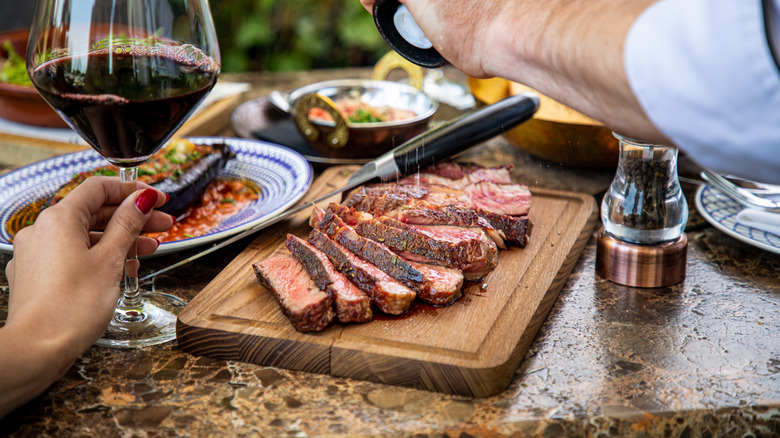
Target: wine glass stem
<point>131,298</point>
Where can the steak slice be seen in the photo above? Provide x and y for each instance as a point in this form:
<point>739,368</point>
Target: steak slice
<point>430,204</point>
<point>306,305</point>
<point>434,284</point>
<point>452,174</point>
<point>475,172</point>
<point>389,295</point>
<point>420,211</point>
<point>467,249</point>
<point>352,304</point>
<point>508,199</point>
<point>515,229</point>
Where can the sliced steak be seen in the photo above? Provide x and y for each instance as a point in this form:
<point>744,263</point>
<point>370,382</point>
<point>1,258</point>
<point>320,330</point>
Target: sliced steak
<point>433,284</point>
<point>508,199</point>
<point>418,211</point>
<point>431,204</point>
<point>389,295</point>
<point>474,173</point>
<point>467,249</point>
<point>515,229</point>
<point>306,305</point>
<point>458,176</point>
<point>352,304</point>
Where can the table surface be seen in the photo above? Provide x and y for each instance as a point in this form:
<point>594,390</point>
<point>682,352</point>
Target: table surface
<point>701,358</point>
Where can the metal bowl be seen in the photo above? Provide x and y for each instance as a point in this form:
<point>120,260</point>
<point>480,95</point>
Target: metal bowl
<point>349,140</point>
<point>22,103</point>
<point>556,133</point>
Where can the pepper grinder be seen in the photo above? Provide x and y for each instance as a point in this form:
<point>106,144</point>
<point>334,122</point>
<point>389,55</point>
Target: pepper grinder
<point>642,242</point>
<point>402,33</point>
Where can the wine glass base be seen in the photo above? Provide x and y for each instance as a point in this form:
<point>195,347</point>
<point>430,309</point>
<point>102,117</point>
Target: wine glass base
<point>154,324</point>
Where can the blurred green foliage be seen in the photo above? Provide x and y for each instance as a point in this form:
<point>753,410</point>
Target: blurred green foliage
<point>283,35</point>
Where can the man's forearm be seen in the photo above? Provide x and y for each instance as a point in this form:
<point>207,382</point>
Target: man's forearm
<point>571,51</point>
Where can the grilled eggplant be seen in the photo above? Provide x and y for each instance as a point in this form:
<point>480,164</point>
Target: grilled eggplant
<point>181,169</point>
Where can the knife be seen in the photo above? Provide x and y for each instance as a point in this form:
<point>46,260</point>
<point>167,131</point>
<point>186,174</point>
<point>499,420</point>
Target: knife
<point>423,150</point>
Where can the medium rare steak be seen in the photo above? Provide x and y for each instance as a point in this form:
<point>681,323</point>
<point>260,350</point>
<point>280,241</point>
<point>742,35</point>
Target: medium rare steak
<point>458,176</point>
<point>352,304</point>
<point>436,285</point>
<point>306,305</point>
<point>508,199</point>
<point>515,229</point>
<point>408,209</point>
<point>467,249</point>
<point>438,204</point>
<point>386,293</point>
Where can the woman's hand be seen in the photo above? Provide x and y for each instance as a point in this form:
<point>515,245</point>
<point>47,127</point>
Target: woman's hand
<point>65,280</point>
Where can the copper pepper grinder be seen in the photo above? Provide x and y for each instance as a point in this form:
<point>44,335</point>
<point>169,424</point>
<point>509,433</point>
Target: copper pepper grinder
<point>642,242</point>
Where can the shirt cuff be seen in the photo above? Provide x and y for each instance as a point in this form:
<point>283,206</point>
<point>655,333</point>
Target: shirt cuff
<point>704,74</point>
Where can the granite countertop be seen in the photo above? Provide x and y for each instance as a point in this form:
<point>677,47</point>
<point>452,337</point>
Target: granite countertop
<point>701,358</point>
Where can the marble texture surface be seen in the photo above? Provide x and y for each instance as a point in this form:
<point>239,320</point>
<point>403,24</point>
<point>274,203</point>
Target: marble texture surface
<point>701,358</point>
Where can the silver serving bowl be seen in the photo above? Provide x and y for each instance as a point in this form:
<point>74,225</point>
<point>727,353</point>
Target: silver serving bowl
<point>350,140</point>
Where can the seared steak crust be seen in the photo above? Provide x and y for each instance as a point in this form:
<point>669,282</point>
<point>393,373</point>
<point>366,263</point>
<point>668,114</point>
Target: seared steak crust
<point>306,305</point>
<point>437,204</point>
<point>515,229</point>
<point>467,249</point>
<point>433,284</point>
<point>386,293</point>
<point>352,304</point>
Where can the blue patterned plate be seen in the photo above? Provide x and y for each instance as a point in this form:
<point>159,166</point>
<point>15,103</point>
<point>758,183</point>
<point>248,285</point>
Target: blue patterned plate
<point>721,211</point>
<point>282,175</point>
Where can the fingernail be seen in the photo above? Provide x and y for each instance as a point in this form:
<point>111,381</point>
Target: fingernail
<point>167,197</point>
<point>146,200</point>
<point>173,218</point>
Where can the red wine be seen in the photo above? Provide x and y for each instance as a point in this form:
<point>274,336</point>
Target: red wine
<point>127,101</point>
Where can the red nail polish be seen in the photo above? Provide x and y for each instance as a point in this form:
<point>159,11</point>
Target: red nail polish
<point>146,200</point>
<point>167,197</point>
<point>173,218</point>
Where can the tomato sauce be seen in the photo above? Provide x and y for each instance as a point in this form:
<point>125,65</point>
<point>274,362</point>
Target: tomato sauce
<point>222,199</point>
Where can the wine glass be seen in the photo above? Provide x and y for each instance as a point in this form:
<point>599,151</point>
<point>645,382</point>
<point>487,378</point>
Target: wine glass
<point>125,74</point>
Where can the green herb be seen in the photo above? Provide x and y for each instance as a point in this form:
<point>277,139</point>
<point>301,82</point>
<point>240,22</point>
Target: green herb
<point>14,70</point>
<point>144,171</point>
<point>227,201</point>
<point>363,115</point>
<point>188,235</point>
<point>105,172</point>
<point>29,222</point>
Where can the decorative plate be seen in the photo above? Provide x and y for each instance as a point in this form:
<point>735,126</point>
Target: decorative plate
<point>721,211</point>
<point>283,176</point>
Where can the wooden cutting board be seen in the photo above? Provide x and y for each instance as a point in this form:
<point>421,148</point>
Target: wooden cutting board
<point>471,347</point>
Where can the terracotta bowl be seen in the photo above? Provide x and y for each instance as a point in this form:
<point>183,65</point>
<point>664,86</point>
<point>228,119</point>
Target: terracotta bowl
<point>349,140</point>
<point>22,103</point>
<point>556,133</point>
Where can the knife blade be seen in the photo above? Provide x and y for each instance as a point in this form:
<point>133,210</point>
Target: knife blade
<point>423,150</point>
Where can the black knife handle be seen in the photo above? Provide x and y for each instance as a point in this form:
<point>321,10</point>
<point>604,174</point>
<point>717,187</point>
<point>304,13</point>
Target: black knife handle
<point>464,132</point>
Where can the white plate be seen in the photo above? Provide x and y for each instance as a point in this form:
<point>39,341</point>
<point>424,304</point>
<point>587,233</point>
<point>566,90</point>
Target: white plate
<point>283,176</point>
<point>721,211</point>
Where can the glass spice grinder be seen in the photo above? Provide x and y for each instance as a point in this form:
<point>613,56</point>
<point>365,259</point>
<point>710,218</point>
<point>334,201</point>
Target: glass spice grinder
<point>642,242</point>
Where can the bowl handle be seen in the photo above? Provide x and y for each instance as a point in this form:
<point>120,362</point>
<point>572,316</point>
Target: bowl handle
<point>340,135</point>
<point>391,61</point>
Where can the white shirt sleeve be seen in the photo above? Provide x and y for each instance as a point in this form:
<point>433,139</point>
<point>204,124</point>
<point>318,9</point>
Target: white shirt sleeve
<point>704,73</point>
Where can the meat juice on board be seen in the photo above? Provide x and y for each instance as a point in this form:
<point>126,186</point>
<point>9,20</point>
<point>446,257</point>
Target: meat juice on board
<point>126,101</point>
